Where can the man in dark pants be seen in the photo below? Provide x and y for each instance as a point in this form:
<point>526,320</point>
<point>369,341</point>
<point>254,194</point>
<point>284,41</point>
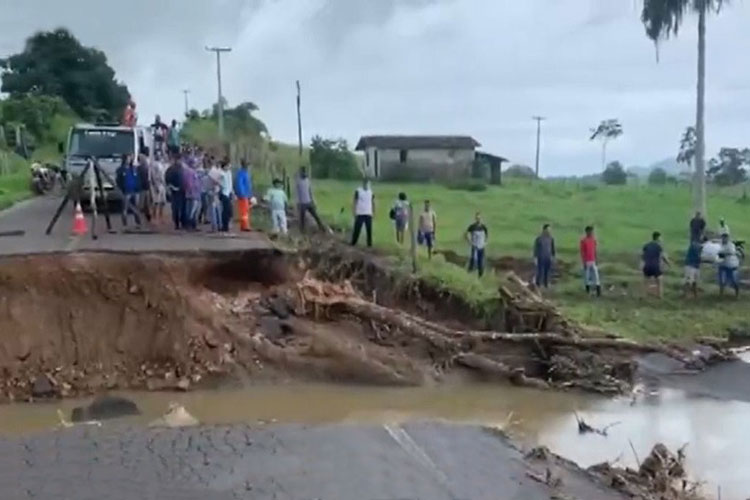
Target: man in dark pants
<point>176,190</point>
<point>544,254</point>
<point>128,182</point>
<point>697,227</point>
<point>225,195</point>
<point>477,236</point>
<point>363,208</point>
<point>305,200</point>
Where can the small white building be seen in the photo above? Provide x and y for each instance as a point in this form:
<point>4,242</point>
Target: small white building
<point>418,157</point>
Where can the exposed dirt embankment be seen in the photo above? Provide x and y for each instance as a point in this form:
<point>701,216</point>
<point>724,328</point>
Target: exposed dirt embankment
<point>72,324</point>
<point>79,324</point>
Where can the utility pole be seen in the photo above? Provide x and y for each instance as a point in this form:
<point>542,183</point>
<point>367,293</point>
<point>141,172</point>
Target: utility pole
<point>218,51</point>
<point>299,119</point>
<point>187,108</point>
<point>539,120</point>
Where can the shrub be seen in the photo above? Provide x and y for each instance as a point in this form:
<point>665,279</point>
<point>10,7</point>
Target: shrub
<point>520,172</point>
<point>331,159</point>
<point>657,177</point>
<point>614,174</point>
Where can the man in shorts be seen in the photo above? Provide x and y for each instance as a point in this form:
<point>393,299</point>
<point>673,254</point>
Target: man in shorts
<point>693,267</point>
<point>427,228</point>
<point>652,257</point>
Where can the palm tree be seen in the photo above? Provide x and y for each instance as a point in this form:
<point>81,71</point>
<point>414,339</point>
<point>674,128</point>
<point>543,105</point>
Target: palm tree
<point>605,132</point>
<point>663,18</point>
<point>687,148</point>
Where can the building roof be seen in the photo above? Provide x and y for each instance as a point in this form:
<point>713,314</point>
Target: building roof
<point>417,142</point>
<point>490,157</point>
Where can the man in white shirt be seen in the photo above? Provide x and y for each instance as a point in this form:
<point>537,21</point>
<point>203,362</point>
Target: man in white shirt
<point>225,195</point>
<point>363,208</point>
<point>728,265</point>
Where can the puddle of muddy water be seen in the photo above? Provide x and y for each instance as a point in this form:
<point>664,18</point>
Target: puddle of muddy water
<point>716,431</point>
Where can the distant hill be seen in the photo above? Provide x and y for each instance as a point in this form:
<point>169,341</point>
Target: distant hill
<point>670,166</point>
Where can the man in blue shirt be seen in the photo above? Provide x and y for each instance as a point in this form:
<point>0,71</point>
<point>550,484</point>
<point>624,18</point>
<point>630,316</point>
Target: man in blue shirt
<point>243,188</point>
<point>129,183</point>
<point>652,258</point>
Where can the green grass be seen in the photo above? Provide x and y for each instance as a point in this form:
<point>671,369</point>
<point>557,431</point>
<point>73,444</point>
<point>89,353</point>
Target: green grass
<point>624,217</point>
<point>13,187</point>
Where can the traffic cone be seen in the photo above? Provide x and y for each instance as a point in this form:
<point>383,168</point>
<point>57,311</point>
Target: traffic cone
<point>79,223</point>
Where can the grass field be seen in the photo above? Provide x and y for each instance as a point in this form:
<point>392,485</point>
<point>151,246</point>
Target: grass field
<point>14,185</point>
<point>624,217</point>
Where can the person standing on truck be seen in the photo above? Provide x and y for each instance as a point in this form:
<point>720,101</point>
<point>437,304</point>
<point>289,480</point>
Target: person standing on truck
<point>544,256</point>
<point>128,182</point>
<point>176,191</point>
<point>160,131</point>
<point>243,188</point>
<point>173,138</point>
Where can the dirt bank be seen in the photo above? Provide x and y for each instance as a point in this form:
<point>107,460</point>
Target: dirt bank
<point>83,323</point>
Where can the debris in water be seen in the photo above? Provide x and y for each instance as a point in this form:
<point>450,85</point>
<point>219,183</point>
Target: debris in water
<point>176,416</point>
<point>584,427</point>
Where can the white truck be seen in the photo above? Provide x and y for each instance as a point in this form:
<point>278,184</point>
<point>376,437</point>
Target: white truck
<point>107,144</point>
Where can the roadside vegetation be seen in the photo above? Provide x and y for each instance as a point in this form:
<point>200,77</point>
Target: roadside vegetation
<point>624,217</point>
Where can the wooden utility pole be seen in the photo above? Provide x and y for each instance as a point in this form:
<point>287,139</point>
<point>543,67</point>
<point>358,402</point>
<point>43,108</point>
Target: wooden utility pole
<point>299,120</point>
<point>539,120</point>
<point>413,238</point>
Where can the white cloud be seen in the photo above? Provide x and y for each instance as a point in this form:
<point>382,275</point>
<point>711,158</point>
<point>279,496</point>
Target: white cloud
<point>481,67</point>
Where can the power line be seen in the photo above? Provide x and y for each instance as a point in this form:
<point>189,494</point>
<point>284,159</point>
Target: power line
<point>218,51</point>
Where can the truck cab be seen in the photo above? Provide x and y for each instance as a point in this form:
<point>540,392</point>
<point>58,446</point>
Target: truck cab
<point>108,145</point>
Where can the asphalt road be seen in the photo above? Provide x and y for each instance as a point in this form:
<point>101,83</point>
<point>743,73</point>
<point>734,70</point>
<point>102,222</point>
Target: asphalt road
<point>337,462</point>
<point>31,217</point>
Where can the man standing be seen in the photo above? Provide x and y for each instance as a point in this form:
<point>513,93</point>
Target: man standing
<point>305,200</point>
<point>728,265</point>
<point>427,228</point>
<point>192,189</point>
<point>697,227</point>
<point>226,194</point>
<point>653,256</point>
<point>176,189</point>
<point>215,176</point>
<point>127,180</point>
<point>477,236</point>
<point>589,259</point>
<point>243,188</point>
<point>144,179</point>
<point>544,254</point>
<point>160,131</point>
<point>692,267</point>
<point>363,208</point>
<point>277,201</point>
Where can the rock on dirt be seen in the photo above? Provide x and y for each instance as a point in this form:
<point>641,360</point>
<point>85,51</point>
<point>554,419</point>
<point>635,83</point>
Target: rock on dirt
<point>105,407</point>
<point>43,386</point>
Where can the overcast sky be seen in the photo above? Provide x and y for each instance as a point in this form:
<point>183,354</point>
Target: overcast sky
<point>477,67</point>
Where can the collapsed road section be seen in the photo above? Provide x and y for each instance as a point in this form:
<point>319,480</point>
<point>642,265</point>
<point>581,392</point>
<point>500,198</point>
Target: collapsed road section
<point>76,324</point>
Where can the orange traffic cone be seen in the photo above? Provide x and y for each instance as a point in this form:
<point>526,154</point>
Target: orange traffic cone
<point>79,223</point>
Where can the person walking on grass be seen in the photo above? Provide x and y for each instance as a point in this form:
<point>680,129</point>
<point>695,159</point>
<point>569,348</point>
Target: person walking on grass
<point>728,265</point>
<point>652,258</point>
<point>544,255</point>
<point>697,227</point>
<point>692,268</point>
<point>305,200</point>
<point>589,257</point>
<point>128,182</point>
<point>243,188</point>
<point>477,236</point>
<point>400,216</point>
<point>278,202</point>
<point>427,228</point>
<point>176,190</point>
<point>225,195</point>
<point>363,209</point>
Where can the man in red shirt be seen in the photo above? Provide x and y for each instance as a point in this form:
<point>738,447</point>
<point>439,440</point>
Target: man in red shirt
<point>588,259</point>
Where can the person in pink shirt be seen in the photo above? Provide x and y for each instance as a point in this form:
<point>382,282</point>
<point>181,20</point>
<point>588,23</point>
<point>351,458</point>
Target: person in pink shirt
<point>588,259</point>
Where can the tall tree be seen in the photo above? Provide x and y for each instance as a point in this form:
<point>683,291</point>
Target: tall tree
<point>663,18</point>
<point>55,63</point>
<point>605,132</point>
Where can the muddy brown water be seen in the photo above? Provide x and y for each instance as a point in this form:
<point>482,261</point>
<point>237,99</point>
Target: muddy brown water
<point>716,431</point>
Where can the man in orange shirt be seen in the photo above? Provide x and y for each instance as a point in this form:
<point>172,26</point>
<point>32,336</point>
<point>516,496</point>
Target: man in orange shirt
<point>588,259</point>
